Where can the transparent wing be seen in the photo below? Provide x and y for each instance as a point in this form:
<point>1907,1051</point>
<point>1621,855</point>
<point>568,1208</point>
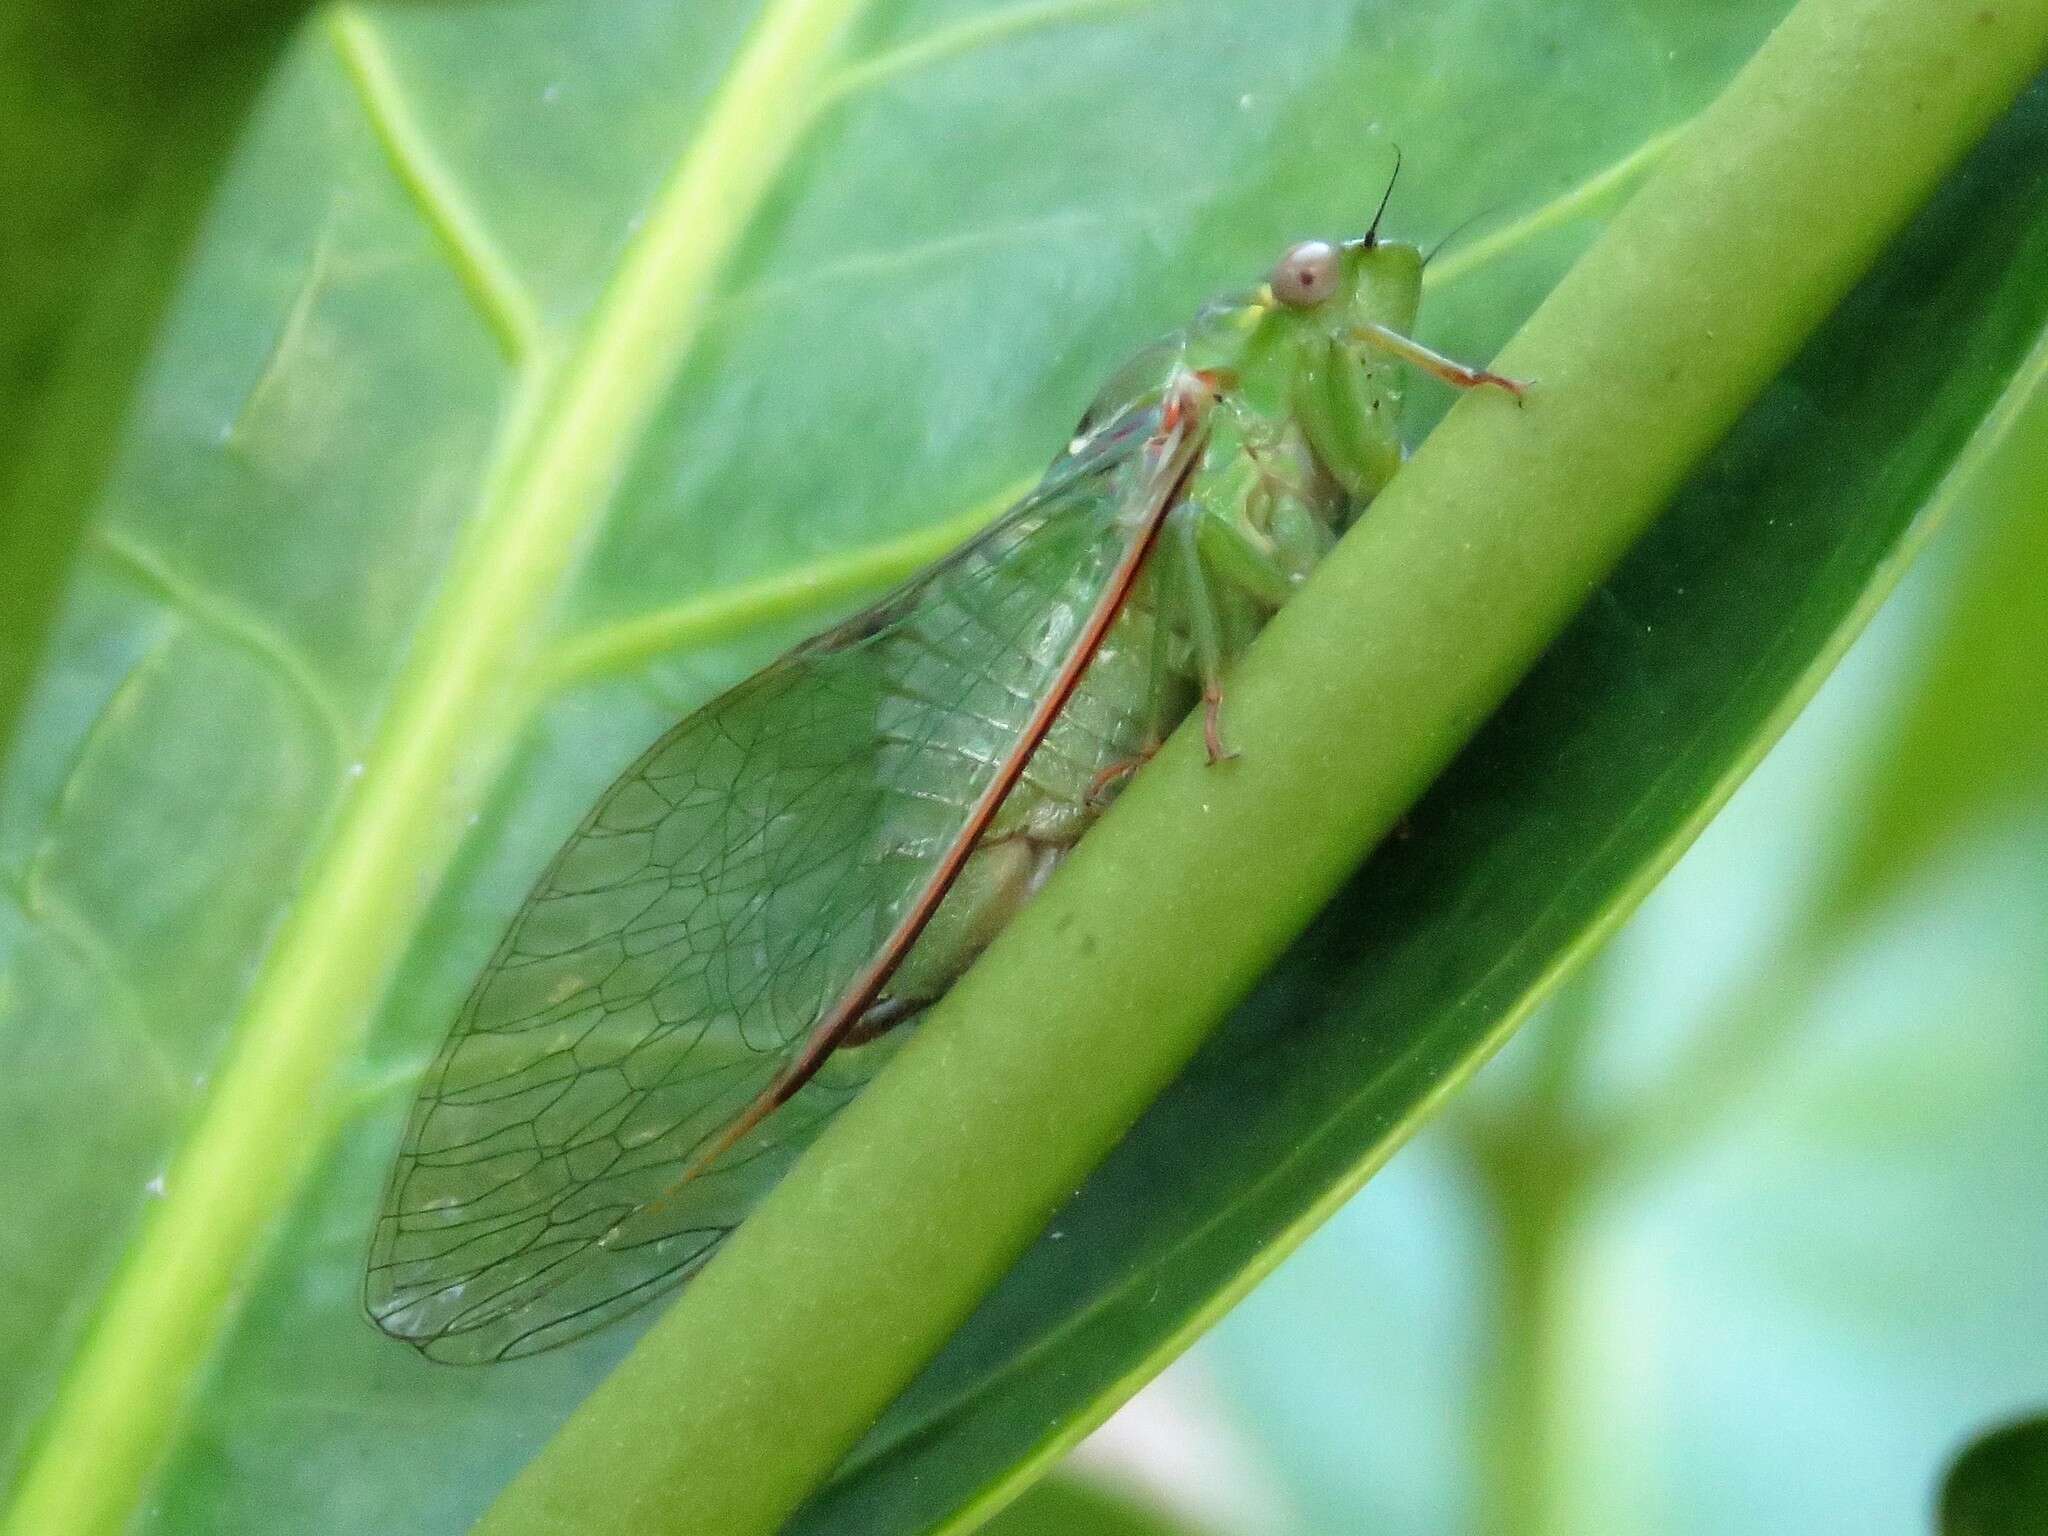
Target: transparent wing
<point>683,944</point>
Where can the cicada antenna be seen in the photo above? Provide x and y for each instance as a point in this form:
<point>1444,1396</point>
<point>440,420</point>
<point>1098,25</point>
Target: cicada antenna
<point>1459,228</point>
<point>1372,233</point>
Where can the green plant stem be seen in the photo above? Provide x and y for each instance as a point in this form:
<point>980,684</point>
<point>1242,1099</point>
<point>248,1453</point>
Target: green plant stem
<point>1518,1496</point>
<point>1536,1171</point>
<point>1534,1186</point>
<point>840,1287</point>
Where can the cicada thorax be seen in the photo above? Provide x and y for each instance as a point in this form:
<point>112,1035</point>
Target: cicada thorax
<point>1260,486</point>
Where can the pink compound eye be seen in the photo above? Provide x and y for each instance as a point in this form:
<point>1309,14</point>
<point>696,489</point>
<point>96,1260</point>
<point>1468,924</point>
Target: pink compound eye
<point>1307,274</point>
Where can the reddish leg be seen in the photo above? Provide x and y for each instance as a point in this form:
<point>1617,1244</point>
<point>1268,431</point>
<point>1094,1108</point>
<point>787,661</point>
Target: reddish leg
<point>1109,781</point>
<point>1212,723</point>
<point>1456,374</point>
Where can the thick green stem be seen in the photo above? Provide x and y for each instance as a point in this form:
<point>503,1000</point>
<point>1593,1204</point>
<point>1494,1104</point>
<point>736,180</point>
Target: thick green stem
<point>852,1274</point>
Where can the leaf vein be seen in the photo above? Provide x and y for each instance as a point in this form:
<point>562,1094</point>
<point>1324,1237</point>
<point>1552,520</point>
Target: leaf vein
<point>221,615</point>
<point>962,37</point>
<point>487,275</point>
<point>699,622</point>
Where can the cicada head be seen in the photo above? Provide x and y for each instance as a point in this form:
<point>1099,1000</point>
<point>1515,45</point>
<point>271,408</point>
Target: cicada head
<point>1316,361</point>
<point>1337,287</point>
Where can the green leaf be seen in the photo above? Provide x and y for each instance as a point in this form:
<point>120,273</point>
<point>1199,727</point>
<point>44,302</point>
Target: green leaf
<point>522,343</point>
<point>1927,789</point>
<point>113,127</point>
<point>1999,1484</point>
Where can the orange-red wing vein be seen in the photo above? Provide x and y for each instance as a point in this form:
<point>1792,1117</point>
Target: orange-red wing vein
<point>1177,465</point>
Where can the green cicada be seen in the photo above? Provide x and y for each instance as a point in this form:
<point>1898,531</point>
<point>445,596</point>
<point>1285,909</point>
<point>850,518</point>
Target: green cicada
<point>732,941</point>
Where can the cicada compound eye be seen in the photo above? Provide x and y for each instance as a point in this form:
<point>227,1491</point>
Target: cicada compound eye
<point>1307,274</point>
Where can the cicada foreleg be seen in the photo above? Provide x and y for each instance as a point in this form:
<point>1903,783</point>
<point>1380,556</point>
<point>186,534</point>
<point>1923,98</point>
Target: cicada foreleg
<point>1458,375</point>
<point>1226,574</point>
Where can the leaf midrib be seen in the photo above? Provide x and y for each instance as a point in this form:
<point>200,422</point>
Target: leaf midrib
<point>571,430</point>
